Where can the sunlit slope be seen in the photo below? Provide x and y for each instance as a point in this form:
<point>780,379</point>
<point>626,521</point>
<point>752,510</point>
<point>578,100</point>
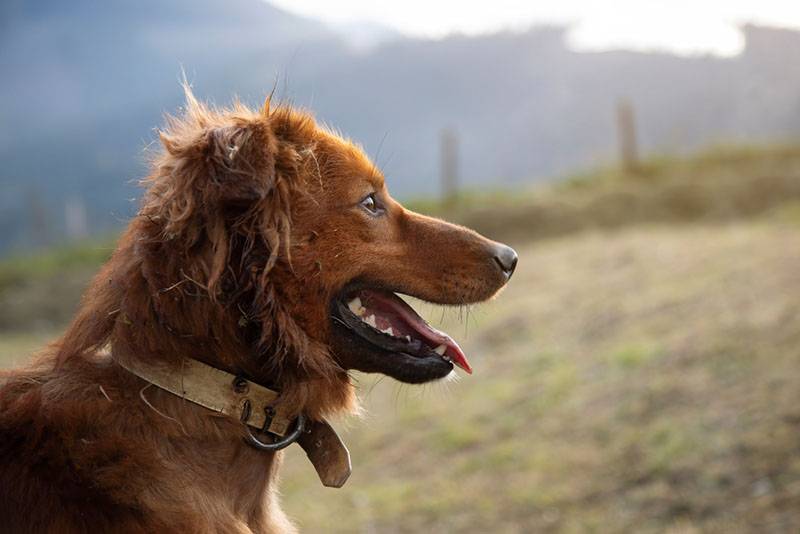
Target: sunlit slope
<point>719,184</point>
<point>640,373</point>
<point>624,382</point>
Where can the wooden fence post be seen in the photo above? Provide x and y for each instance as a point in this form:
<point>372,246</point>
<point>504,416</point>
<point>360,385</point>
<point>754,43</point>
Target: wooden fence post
<point>626,134</point>
<point>449,166</point>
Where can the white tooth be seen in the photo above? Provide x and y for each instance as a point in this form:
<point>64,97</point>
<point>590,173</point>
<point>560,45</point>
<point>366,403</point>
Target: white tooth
<point>388,330</point>
<point>371,321</point>
<point>408,338</point>
<point>355,306</point>
<point>440,350</point>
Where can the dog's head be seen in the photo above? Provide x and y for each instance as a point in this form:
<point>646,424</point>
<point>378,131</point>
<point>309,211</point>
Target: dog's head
<point>288,233</point>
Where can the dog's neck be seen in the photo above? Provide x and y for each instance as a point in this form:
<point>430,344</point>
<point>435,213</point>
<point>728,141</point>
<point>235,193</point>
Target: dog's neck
<point>217,390</point>
<point>256,407</point>
<point>148,450</point>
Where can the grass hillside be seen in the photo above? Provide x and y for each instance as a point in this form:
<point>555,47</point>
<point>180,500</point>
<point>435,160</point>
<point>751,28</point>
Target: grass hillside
<point>646,380</point>
<point>641,372</point>
<point>41,291</point>
<point>719,185</point>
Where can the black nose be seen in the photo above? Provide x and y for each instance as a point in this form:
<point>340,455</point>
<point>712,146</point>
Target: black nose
<point>506,258</point>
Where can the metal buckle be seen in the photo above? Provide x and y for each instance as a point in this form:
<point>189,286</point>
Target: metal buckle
<point>253,441</point>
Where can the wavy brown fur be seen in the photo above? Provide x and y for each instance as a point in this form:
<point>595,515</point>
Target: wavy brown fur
<point>201,272</point>
<point>252,224</point>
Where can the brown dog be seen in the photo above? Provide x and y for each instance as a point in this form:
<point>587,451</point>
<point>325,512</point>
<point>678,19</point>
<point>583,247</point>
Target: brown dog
<point>267,247</point>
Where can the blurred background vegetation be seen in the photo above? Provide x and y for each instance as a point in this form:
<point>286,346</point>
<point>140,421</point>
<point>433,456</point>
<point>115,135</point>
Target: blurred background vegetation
<point>641,372</point>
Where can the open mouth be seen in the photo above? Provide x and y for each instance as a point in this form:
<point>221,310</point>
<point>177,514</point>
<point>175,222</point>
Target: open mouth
<point>380,323</point>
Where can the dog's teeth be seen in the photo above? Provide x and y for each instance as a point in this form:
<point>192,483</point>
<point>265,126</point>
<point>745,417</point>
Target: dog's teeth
<point>371,321</point>
<point>408,338</point>
<point>389,331</point>
<point>440,350</point>
<point>355,306</point>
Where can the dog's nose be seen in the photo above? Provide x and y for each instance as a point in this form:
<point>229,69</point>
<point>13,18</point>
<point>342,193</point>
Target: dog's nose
<point>506,258</point>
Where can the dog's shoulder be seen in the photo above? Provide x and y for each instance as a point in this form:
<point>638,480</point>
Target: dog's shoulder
<point>45,485</point>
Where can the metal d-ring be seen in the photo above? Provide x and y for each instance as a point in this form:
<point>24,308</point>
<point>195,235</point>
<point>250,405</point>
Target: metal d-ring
<point>299,426</point>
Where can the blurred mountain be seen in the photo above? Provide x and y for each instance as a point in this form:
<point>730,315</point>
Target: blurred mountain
<point>86,82</point>
<point>365,35</point>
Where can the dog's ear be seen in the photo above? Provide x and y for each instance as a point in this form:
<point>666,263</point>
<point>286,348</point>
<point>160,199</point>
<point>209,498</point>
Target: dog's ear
<point>217,178</point>
<point>241,160</point>
<point>228,164</point>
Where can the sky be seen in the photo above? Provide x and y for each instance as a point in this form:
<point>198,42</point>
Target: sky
<point>679,26</point>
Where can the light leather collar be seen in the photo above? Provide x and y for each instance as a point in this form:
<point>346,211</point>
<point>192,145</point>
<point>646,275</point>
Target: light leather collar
<point>253,404</point>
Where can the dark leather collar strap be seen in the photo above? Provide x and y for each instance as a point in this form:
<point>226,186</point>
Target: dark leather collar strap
<point>327,453</point>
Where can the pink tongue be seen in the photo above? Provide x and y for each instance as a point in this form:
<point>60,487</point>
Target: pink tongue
<point>395,306</point>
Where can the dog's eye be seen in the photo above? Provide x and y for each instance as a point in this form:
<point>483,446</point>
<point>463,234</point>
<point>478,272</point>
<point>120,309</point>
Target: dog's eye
<point>370,204</point>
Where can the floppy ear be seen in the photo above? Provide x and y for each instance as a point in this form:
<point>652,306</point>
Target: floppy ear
<point>229,163</point>
<point>240,160</point>
<point>216,178</point>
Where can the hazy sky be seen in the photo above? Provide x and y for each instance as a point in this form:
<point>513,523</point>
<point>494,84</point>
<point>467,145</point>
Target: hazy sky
<point>683,26</point>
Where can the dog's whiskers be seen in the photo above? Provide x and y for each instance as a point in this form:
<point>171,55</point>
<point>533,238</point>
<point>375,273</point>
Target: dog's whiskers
<point>375,384</point>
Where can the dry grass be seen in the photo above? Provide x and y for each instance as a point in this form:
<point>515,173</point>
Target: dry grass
<point>642,380</point>
<point>641,373</point>
<point>718,185</point>
<point>17,347</point>
<point>647,380</point>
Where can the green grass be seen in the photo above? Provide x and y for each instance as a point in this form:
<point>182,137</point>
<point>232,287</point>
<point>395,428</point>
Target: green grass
<point>717,185</point>
<point>632,355</point>
<point>40,291</point>
<point>21,268</point>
